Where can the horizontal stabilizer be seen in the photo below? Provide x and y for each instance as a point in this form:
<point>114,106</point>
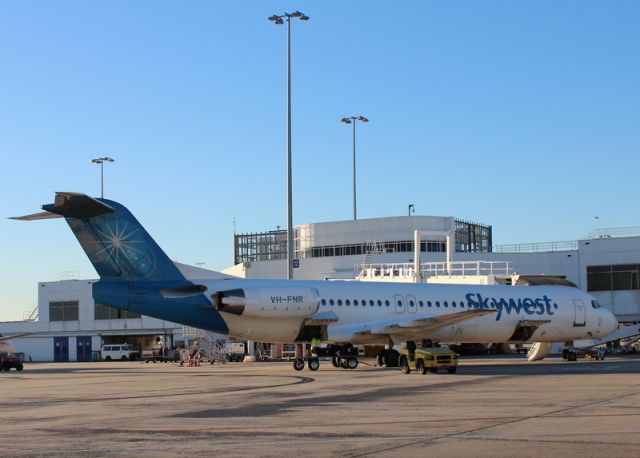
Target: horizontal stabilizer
<point>77,205</point>
<point>35,216</point>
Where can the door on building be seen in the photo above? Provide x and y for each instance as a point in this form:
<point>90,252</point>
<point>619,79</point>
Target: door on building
<point>83,348</point>
<point>60,349</point>
<point>580,313</point>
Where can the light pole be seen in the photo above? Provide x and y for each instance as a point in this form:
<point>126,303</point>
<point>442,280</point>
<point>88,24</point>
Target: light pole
<point>101,161</point>
<point>279,20</point>
<point>352,120</point>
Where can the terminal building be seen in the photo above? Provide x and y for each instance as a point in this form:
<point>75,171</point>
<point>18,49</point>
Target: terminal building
<point>68,325</point>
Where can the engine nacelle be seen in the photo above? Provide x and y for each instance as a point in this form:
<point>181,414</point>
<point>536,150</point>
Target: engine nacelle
<point>538,351</point>
<point>268,302</point>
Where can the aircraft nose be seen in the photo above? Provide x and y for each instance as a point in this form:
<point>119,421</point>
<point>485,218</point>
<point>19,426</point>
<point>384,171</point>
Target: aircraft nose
<point>611,322</point>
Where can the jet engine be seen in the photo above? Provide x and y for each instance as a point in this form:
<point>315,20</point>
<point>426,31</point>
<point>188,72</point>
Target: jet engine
<point>268,302</point>
<point>538,351</point>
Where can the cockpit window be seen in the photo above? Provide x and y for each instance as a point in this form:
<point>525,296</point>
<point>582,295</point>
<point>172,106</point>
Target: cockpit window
<point>596,304</point>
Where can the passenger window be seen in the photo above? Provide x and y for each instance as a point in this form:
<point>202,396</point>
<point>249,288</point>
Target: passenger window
<point>453,304</point>
<point>379,303</point>
<point>411,304</point>
<point>446,304</point>
<point>421,304</point>
<point>387,303</point>
<point>331,302</point>
<point>371,302</point>
<point>437,303</point>
<point>324,302</point>
<point>461,304</point>
<point>347,302</point>
<point>116,348</point>
<point>400,303</point>
<point>355,302</point>
<point>339,301</point>
<point>428,303</point>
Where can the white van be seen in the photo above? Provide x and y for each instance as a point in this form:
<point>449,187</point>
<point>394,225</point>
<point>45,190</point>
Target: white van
<point>119,351</point>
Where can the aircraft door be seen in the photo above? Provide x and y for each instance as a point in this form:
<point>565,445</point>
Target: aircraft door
<point>412,304</point>
<point>580,310</point>
<point>399,303</point>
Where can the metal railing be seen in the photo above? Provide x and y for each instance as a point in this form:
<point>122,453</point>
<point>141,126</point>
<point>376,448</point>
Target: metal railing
<point>431,269</point>
<point>537,247</point>
<point>570,245</point>
<point>605,233</point>
<point>30,315</point>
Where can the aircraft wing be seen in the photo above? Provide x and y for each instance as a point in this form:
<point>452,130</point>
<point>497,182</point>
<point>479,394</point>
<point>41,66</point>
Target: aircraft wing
<point>14,336</point>
<point>416,324</point>
<point>425,323</point>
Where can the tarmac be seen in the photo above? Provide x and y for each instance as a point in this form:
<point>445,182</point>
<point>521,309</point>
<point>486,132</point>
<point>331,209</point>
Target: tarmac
<point>497,407</point>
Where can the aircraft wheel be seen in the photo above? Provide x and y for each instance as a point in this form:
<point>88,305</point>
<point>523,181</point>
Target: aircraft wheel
<point>352,363</point>
<point>420,367</point>
<point>314,364</point>
<point>571,356</point>
<point>392,357</point>
<point>451,370</point>
<point>298,364</point>
<point>335,361</point>
<point>404,365</point>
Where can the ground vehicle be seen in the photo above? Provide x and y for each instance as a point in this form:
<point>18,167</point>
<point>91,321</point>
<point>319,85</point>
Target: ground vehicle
<point>428,359</point>
<point>235,351</point>
<point>119,351</point>
<point>8,361</point>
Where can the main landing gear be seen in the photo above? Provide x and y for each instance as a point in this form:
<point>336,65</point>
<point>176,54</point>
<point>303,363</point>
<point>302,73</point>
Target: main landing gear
<point>313,363</point>
<point>345,356</point>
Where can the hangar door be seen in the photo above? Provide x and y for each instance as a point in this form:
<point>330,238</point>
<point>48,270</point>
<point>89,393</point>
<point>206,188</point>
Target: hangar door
<point>61,349</point>
<point>83,348</point>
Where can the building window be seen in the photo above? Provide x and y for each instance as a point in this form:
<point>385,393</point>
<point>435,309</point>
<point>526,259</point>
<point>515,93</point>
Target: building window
<point>63,311</point>
<point>620,277</point>
<point>104,312</point>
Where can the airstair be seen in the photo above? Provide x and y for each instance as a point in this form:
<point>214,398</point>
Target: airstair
<point>210,346</point>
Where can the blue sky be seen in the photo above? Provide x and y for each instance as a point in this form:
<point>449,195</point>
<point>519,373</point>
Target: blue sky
<point>523,115</point>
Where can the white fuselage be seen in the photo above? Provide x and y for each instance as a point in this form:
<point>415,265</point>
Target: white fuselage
<point>556,313</point>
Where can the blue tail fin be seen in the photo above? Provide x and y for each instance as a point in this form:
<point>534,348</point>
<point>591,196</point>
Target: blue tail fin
<point>135,274</point>
<point>117,245</point>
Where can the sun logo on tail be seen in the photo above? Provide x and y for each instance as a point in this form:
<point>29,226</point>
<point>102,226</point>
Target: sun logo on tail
<point>126,246</point>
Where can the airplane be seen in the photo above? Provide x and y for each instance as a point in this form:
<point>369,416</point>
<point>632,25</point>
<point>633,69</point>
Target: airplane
<point>6,346</point>
<point>136,275</point>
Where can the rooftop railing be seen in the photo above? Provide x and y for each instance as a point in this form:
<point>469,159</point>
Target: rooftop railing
<point>431,269</point>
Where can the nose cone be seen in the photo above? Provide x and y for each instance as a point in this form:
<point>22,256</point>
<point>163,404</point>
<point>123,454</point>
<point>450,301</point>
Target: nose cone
<point>610,322</point>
